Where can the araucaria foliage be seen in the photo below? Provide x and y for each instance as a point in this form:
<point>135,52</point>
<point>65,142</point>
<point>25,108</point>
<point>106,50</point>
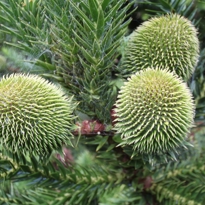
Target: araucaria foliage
<point>102,102</point>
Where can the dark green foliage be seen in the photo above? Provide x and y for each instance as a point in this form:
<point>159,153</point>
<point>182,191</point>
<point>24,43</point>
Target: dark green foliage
<point>80,41</point>
<point>98,29</point>
<point>197,85</point>
<point>181,184</point>
<point>26,22</point>
<point>53,183</point>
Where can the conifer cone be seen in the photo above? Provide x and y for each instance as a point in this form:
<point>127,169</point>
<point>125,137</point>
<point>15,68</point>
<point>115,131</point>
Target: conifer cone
<point>154,111</point>
<point>35,115</point>
<point>168,41</point>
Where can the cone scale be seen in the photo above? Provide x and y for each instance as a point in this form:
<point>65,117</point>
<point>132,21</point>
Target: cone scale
<point>154,111</point>
<point>35,115</point>
<point>168,41</point>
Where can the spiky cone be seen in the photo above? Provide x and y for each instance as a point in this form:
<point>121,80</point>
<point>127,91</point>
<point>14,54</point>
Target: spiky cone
<point>154,111</point>
<point>35,115</point>
<point>168,41</point>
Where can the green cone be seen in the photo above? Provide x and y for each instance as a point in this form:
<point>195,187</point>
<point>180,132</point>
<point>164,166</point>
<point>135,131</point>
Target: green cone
<point>154,111</point>
<point>35,116</point>
<point>164,42</point>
